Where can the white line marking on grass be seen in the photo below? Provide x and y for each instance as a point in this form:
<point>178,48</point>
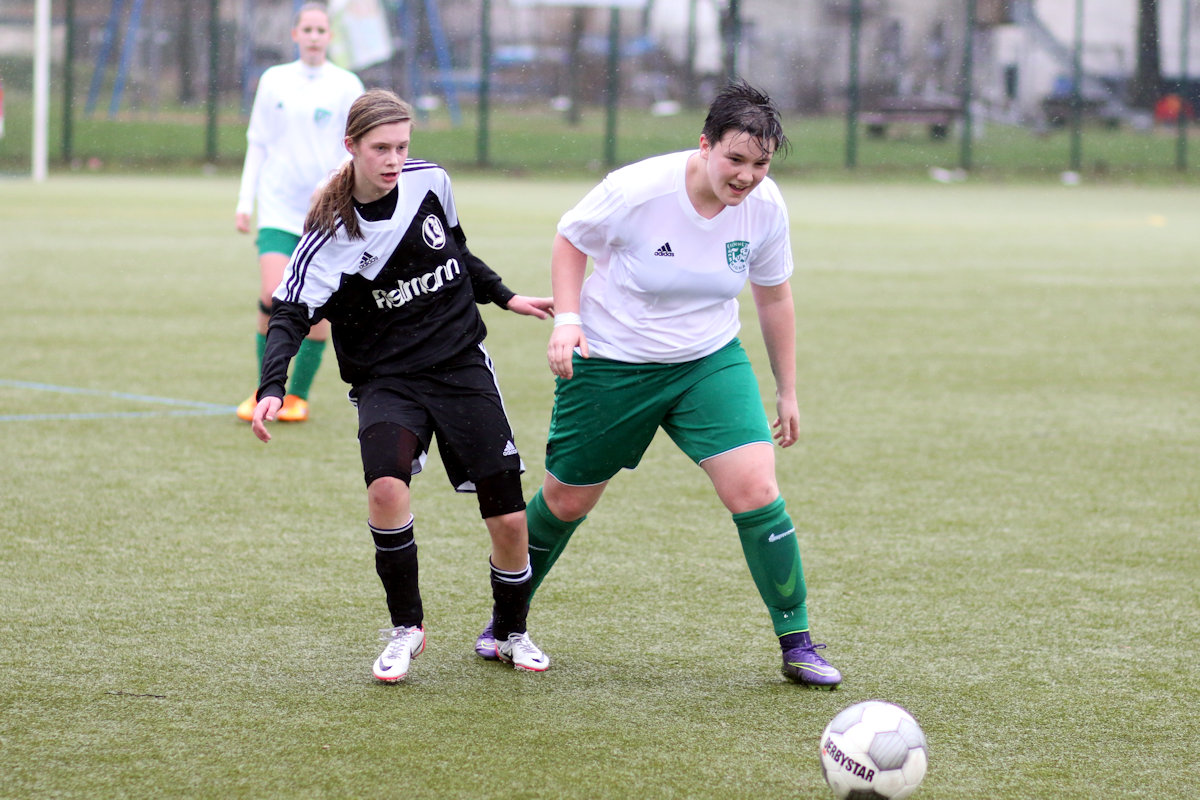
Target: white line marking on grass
<point>195,408</point>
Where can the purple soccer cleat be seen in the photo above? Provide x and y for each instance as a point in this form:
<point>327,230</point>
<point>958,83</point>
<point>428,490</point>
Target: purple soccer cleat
<point>803,665</point>
<point>485,645</point>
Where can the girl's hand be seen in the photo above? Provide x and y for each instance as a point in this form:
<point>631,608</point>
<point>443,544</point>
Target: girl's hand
<point>561,350</point>
<point>266,411</point>
<point>540,307</point>
<point>787,424</point>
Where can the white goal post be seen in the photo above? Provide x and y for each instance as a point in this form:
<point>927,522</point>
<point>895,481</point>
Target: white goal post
<point>41,90</point>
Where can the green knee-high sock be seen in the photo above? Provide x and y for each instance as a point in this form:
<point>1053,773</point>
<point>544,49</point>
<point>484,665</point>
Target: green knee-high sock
<point>260,347</point>
<point>548,535</point>
<point>304,367</point>
<point>773,555</point>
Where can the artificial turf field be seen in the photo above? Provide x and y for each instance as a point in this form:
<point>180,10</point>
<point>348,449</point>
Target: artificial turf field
<point>997,494</point>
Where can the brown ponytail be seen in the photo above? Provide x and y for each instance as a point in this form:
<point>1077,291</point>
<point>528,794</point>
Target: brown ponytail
<point>336,200</point>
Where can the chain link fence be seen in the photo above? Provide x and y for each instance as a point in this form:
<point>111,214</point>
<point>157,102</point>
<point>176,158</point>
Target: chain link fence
<point>946,87</point>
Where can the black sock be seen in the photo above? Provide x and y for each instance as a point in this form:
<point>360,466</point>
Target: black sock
<point>396,564</point>
<point>510,596</point>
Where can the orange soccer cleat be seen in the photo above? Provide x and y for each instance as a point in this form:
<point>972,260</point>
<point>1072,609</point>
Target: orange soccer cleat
<point>295,409</point>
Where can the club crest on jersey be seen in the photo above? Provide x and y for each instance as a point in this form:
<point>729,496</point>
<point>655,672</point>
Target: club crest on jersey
<point>433,232</point>
<point>322,115</point>
<point>737,255</point>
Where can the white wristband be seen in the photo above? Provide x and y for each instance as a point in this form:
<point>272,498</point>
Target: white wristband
<point>567,318</point>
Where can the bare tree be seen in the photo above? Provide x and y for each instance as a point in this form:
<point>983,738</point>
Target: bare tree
<point>1147,76</point>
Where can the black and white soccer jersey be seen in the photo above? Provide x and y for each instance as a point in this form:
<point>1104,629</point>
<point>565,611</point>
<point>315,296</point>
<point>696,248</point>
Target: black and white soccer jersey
<point>401,299</point>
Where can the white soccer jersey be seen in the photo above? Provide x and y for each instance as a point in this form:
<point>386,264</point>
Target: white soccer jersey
<point>665,280</point>
<point>294,140</point>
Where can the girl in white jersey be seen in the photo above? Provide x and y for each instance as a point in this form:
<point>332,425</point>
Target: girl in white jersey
<point>649,341</point>
<point>386,262</point>
<point>293,142</point>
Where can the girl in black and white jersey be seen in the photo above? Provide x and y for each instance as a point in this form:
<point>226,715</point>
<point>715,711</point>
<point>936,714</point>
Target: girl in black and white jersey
<point>384,259</point>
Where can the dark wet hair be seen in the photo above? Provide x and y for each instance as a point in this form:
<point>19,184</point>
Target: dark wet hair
<point>741,107</point>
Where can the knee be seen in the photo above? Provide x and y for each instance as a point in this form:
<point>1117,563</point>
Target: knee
<point>320,331</point>
<point>751,494</point>
<point>508,526</point>
<point>567,503</point>
<point>509,534</point>
<point>388,494</point>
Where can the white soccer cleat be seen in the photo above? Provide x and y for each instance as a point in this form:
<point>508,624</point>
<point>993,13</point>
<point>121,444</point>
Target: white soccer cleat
<point>404,644</point>
<point>520,651</point>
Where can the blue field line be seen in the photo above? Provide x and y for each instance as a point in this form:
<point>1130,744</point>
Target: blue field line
<point>196,408</point>
<point>208,412</point>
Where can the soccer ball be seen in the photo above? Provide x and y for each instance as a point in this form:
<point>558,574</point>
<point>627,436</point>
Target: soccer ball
<point>873,749</point>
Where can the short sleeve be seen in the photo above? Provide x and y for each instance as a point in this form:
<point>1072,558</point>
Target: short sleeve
<point>591,223</point>
<point>771,259</point>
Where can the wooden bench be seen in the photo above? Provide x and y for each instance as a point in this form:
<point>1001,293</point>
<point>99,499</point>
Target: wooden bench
<point>938,115</point>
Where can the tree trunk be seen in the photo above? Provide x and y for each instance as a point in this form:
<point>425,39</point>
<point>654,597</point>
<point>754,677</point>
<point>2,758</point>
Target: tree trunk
<point>1147,76</point>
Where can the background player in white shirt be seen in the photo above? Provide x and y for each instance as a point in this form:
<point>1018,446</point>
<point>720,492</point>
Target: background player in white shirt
<point>293,142</point>
<point>649,341</point>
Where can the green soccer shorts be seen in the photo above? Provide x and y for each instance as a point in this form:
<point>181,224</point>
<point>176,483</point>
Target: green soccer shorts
<point>605,416</point>
<point>273,240</point>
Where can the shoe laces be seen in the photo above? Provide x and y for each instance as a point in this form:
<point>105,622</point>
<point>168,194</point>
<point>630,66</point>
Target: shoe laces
<point>809,650</point>
<point>397,638</point>
<point>522,643</point>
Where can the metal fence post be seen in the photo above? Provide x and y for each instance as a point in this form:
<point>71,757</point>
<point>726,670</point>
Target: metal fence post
<point>1077,91</point>
<point>485,82</point>
<point>1182,120</point>
<point>210,128</point>
<point>68,132</point>
<point>734,34</point>
<point>967,80</point>
<point>614,60</point>
<point>852,89</point>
